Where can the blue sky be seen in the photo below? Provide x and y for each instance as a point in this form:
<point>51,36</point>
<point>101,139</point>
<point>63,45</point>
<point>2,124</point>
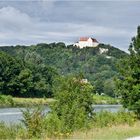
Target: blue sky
<point>31,22</point>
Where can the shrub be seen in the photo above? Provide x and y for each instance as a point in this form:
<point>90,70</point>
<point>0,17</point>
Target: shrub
<point>126,117</point>
<point>53,124</point>
<point>6,100</point>
<point>74,103</point>
<point>34,122</point>
<point>105,118</point>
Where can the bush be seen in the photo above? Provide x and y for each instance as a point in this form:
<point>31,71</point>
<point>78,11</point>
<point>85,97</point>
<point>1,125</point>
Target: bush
<point>105,118</point>
<point>74,103</point>
<point>126,117</point>
<point>53,125</point>
<point>34,122</point>
<point>6,100</point>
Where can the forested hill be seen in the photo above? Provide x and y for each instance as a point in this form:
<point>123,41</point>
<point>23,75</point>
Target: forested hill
<point>98,64</point>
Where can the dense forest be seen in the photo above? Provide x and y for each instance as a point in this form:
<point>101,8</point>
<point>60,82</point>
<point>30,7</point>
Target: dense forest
<point>29,71</point>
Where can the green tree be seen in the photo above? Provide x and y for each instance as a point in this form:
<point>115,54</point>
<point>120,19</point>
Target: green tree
<point>33,58</point>
<point>23,84</point>
<point>25,78</point>
<point>109,87</point>
<point>9,69</point>
<point>128,84</point>
<point>74,102</point>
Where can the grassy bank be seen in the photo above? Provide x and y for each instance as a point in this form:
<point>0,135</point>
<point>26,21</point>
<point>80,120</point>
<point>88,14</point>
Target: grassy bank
<point>119,132</point>
<point>9,101</point>
<point>106,126</point>
<point>98,99</point>
<point>32,101</point>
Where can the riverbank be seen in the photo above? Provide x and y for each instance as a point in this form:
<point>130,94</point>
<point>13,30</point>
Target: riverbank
<point>104,125</point>
<point>114,132</point>
<point>9,101</point>
<point>104,99</point>
<point>25,102</point>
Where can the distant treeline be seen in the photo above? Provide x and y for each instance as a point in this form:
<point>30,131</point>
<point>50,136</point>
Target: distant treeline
<point>29,71</point>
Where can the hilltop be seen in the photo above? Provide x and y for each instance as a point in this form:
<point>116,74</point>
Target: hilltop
<point>96,64</point>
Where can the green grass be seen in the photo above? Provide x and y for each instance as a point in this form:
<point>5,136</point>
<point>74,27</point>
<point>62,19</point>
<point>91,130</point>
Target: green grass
<point>98,99</point>
<point>32,101</point>
<point>9,101</point>
<point>119,132</point>
<point>104,126</point>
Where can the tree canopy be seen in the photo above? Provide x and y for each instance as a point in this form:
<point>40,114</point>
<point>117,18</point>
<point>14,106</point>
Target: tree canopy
<point>128,83</point>
<point>25,78</point>
<point>99,68</point>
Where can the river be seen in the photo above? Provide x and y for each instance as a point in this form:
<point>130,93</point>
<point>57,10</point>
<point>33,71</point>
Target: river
<point>14,115</point>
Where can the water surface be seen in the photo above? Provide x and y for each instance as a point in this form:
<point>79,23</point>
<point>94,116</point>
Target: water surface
<point>14,115</point>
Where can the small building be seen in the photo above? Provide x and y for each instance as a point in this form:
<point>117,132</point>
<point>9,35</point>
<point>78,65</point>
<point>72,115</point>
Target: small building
<point>86,42</point>
<point>85,81</point>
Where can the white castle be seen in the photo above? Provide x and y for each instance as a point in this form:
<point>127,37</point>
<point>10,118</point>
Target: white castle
<point>86,42</point>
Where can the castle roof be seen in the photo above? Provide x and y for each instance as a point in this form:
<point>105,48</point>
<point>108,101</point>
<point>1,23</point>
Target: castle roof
<point>86,39</point>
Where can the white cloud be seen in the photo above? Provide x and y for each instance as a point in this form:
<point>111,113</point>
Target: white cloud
<point>13,19</point>
<point>17,27</point>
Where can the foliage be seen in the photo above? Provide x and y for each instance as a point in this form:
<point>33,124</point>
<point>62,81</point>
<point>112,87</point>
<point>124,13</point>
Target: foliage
<point>73,105</point>
<point>103,122</point>
<point>128,84</point>
<point>104,99</point>
<point>9,101</point>
<point>6,101</point>
<point>34,122</point>
<point>9,132</point>
<point>53,125</point>
<point>105,118</point>
<point>9,70</point>
<point>109,87</point>
<point>32,102</point>
<point>98,68</point>
<point>25,78</point>
<point>118,132</point>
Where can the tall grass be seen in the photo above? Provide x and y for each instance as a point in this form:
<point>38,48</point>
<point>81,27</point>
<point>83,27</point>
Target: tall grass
<point>105,118</point>
<point>105,125</point>
<point>10,131</point>
<point>115,132</point>
<point>33,121</point>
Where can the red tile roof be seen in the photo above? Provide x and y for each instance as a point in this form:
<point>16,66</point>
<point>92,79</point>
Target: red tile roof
<point>86,38</point>
<point>83,38</point>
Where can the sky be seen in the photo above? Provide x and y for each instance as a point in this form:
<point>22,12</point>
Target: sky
<point>27,22</point>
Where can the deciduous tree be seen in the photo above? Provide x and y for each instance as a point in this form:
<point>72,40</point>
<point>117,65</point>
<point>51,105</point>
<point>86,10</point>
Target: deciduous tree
<point>129,82</point>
